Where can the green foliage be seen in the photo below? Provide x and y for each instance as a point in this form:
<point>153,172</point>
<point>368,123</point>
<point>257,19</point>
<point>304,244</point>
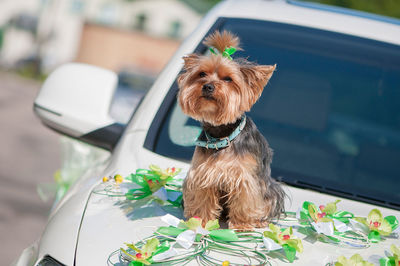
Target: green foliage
<point>1,37</point>
<point>383,7</point>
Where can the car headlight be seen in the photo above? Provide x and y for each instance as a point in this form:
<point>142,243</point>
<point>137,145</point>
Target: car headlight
<point>49,261</point>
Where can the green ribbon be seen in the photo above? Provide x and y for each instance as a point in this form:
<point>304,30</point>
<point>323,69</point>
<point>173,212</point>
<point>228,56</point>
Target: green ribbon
<point>226,53</point>
<point>374,236</point>
<point>342,216</point>
<point>226,235</point>
<point>150,182</point>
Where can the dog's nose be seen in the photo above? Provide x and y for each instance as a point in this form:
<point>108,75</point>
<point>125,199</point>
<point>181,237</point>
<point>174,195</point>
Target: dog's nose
<point>208,88</point>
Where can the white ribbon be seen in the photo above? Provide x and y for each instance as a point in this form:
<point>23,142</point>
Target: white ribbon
<point>298,213</point>
<point>126,186</point>
<point>359,226</point>
<point>186,238</point>
<point>170,220</point>
<point>171,252</point>
<point>270,244</point>
<point>202,231</point>
<point>340,226</point>
<point>325,228</point>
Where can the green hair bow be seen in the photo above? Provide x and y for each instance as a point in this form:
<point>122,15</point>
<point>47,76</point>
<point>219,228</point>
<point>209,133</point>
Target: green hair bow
<point>226,53</point>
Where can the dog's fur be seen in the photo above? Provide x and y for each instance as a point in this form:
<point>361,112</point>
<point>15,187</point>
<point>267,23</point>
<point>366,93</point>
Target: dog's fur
<point>236,178</point>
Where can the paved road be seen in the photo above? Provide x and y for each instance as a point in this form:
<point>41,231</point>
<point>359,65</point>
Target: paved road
<point>29,155</point>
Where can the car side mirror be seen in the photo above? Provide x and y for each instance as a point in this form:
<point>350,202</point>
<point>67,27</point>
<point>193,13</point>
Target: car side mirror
<point>75,100</point>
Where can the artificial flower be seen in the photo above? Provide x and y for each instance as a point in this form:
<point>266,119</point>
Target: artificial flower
<point>393,260</point>
<point>377,225</point>
<point>144,255</point>
<point>355,260</point>
<point>285,240</point>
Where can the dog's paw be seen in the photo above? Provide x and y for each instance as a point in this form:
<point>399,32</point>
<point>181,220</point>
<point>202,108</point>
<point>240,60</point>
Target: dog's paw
<point>241,227</point>
<point>261,224</point>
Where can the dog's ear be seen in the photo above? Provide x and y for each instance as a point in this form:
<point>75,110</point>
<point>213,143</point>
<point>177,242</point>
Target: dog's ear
<point>190,61</point>
<point>256,78</point>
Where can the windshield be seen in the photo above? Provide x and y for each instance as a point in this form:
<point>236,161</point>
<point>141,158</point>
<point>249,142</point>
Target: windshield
<point>331,111</point>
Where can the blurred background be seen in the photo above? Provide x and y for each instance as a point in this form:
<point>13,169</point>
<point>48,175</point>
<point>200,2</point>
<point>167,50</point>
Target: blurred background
<point>134,38</point>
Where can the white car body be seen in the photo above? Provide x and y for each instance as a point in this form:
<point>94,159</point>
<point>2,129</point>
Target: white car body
<point>85,228</point>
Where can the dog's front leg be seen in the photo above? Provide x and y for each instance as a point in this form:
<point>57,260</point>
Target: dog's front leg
<point>246,206</point>
<point>203,203</point>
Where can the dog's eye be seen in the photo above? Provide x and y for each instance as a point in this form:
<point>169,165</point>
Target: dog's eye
<point>202,74</point>
<point>227,79</point>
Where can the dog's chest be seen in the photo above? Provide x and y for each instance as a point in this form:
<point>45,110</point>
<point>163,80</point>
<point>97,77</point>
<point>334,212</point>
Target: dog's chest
<point>223,169</point>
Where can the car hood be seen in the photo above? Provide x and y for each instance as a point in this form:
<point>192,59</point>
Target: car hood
<point>110,221</point>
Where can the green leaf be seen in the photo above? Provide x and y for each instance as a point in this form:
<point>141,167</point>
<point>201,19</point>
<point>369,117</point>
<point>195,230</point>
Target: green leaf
<point>170,231</point>
<point>135,263</point>
<point>161,248</point>
<point>150,246</point>
<point>138,179</point>
<point>198,237</point>
<point>392,220</point>
<point>374,216</point>
<point>374,236</point>
<point>290,252</point>
<point>212,225</point>
<point>296,244</point>
<point>227,235</point>
<point>304,217</point>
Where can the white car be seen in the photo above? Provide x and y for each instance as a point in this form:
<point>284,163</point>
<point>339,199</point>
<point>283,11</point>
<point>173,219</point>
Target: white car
<point>331,113</point>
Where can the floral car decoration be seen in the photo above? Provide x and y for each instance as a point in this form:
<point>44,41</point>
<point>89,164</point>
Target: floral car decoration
<point>283,238</point>
<point>355,260</point>
<point>205,243</point>
<point>144,256</point>
<point>377,226</point>
<point>154,183</point>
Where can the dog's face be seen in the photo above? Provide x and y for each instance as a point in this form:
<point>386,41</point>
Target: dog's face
<point>217,90</point>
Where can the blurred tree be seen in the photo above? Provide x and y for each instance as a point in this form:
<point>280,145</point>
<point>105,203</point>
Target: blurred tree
<point>382,7</point>
<point>1,37</point>
<point>201,6</point>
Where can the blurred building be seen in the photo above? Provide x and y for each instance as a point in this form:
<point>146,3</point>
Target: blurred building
<point>116,34</point>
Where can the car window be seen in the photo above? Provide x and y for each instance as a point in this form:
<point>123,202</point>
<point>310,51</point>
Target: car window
<point>331,111</point>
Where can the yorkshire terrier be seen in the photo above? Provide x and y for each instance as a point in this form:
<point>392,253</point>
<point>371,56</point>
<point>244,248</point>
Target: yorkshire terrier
<point>230,170</point>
